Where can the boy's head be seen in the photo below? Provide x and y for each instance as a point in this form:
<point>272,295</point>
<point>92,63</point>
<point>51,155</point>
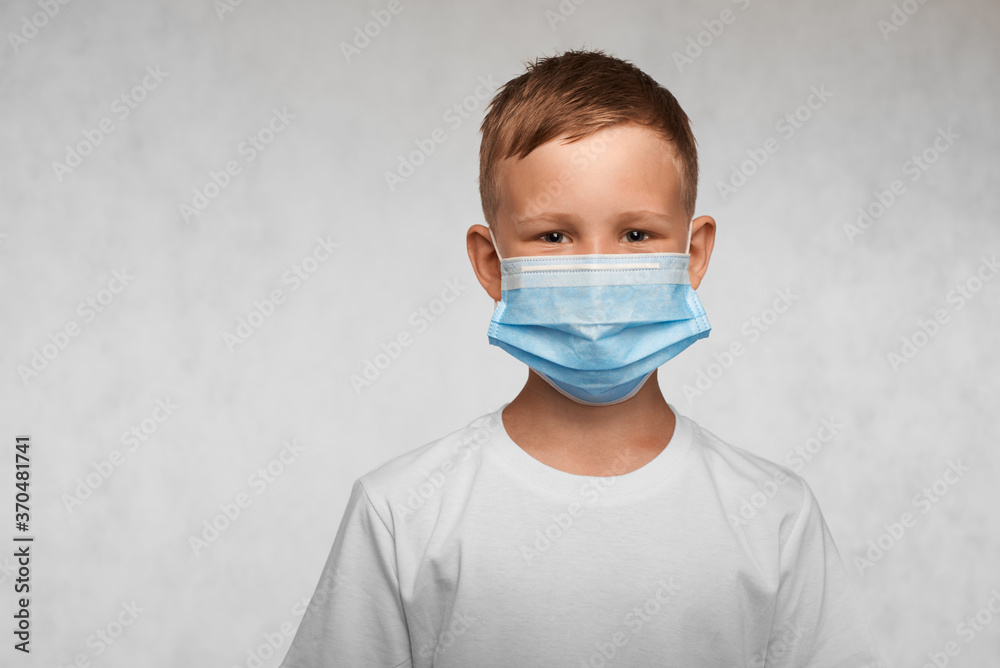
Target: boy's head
<point>572,96</point>
<point>582,154</point>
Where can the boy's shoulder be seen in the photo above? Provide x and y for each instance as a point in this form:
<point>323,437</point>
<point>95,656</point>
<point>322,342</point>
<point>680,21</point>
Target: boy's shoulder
<point>740,463</point>
<point>420,473</point>
<point>750,485</point>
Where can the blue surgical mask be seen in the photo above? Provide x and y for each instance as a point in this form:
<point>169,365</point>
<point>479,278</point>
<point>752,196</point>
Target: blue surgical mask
<point>595,327</point>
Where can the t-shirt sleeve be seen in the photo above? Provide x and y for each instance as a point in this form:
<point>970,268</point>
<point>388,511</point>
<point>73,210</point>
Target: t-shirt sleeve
<point>818,620</point>
<point>355,617</point>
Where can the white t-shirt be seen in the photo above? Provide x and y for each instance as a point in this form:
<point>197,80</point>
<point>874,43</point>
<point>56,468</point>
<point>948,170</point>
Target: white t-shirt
<point>468,552</point>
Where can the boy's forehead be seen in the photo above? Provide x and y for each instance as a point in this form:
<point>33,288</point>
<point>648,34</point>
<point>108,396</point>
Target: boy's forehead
<point>595,142</point>
<point>631,164</point>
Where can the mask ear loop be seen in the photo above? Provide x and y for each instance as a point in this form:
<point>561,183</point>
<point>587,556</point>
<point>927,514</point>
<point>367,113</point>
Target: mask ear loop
<point>496,248</point>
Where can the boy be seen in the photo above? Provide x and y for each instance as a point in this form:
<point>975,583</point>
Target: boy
<point>585,523</point>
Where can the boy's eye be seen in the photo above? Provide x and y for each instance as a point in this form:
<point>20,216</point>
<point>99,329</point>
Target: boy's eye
<point>636,235</point>
<point>553,237</point>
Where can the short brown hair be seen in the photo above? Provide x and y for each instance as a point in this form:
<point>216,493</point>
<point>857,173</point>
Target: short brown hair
<point>578,93</point>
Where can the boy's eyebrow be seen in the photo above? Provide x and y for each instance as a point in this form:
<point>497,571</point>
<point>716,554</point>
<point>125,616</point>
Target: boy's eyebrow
<point>644,213</point>
<point>544,219</point>
<point>548,218</point>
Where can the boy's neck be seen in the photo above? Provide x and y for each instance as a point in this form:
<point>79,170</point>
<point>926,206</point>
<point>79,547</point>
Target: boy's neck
<point>589,440</point>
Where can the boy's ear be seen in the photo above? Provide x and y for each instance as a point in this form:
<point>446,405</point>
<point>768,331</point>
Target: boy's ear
<point>702,243</point>
<point>484,259</point>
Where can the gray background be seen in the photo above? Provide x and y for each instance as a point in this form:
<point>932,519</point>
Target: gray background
<point>161,338</point>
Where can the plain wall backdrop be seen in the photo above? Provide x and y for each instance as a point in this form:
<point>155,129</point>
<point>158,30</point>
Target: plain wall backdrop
<point>859,143</point>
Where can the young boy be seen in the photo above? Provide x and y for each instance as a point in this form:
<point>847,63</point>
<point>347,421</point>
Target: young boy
<point>585,522</point>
